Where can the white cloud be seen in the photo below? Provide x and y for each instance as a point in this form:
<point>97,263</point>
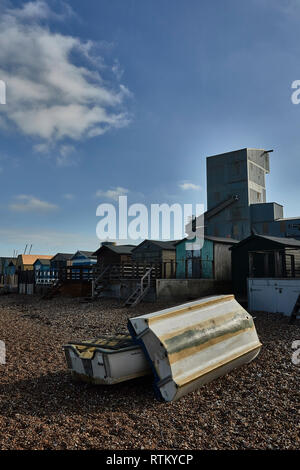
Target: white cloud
<point>64,153</point>
<point>40,10</point>
<point>69,196</point>
<point>189,186</point>
<point>113,193</point>
<point>117,69</point>
<point>25,203</point>
<point>41,148</point>
<point>66,150</point>
<point>48,95</point>
<point>66,157</point>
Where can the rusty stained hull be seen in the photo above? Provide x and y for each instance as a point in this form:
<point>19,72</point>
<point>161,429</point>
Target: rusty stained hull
<point>194,343</point>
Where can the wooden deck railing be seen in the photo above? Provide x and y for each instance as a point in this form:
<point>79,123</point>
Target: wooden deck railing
<point>185,269</point>
<point>193,268</point>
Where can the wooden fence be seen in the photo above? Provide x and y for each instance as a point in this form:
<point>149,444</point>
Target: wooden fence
<point>190,268</point>
<point>185,269</point>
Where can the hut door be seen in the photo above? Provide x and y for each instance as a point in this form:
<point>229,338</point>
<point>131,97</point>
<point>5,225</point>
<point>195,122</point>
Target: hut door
<point>196,268</point>
<point>258,265</point>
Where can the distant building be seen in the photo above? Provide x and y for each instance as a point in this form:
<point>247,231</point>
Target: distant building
<point>11,268</point>
<point>7,268</point>
<point>159,253</point>
<point>268,219</point>
<point>240,173</point>
<point>26,262</point>
<point>212,261</point>
<point>83,258</point>
<point>154,251</point>
<point>110,253</point>
<point>264,256</point>
<point>7,265</point>
<point>61,260</point>
<point>41,265</point>
<point>236,184</point>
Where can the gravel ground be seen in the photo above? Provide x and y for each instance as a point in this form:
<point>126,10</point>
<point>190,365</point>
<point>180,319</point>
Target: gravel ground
<point>40,408</point>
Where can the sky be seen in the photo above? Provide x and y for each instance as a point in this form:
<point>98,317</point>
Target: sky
<point>128,97</point>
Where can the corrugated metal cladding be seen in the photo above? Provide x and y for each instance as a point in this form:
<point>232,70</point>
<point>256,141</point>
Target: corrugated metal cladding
<point>222,266</point>
<point>194,343</point>
<point>240,173</point>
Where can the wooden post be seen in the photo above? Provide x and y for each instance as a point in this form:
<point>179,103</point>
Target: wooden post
<point>277,261</point>
<point>266,264</point>
<point>251,272</point>
<point>284,274</point>
<point>26,282</point>
<point>293,265</point>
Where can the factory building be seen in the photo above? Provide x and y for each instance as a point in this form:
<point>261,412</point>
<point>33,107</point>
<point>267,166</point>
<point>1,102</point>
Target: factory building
<point>236,197</point>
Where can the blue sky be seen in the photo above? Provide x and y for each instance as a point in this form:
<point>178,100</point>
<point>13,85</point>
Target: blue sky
<point>129,97</point>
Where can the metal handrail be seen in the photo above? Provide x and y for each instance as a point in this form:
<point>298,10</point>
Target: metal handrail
<point>102,273</point>
<point>147,274</point>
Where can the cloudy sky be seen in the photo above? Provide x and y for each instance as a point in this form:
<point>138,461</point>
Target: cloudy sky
<point>128,97</point>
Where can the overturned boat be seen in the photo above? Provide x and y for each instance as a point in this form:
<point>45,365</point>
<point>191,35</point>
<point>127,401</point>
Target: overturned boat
<point>192,344</point>
<point>106,360</point>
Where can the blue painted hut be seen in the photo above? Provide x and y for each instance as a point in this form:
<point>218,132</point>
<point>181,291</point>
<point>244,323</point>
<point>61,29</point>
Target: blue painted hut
<point>83,258</point>
<point>41,265</point>
<point>7,268</point>
<point>211,261</point>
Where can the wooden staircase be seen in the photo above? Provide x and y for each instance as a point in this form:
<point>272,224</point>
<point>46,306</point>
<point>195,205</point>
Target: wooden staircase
<point>99,284</point>
<point>296,311</point>
<point>141,290</point>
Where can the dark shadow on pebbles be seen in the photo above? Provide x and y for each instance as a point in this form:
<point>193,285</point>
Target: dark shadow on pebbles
<point>58,393</point>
